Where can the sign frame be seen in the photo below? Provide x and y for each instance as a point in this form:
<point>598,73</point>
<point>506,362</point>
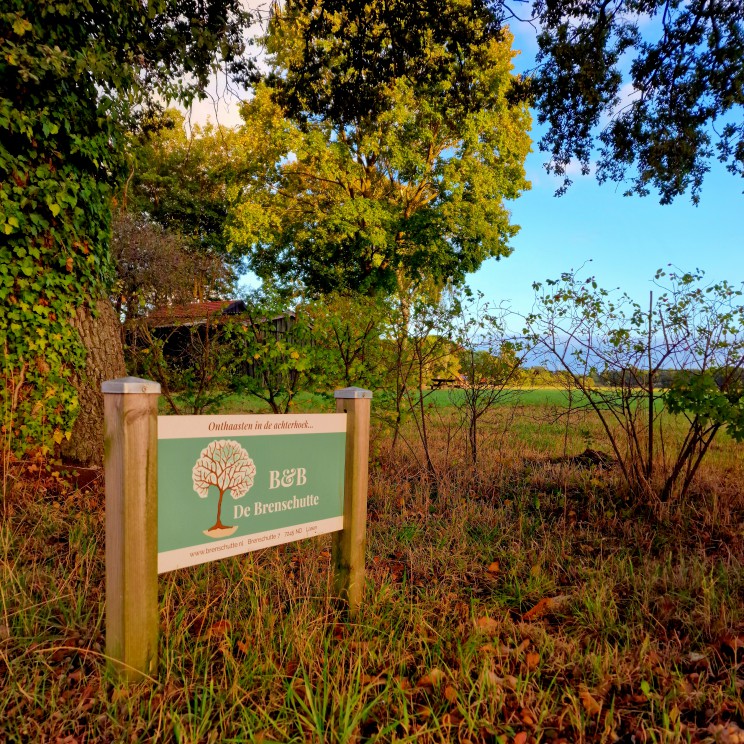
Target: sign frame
<point>131,472</point>
<point>284,474</point>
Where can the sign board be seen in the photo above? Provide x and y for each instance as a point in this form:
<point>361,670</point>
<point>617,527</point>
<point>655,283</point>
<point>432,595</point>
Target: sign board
<point>231,484</point>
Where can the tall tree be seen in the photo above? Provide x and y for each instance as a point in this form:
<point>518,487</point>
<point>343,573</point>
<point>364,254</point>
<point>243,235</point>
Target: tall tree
<point>72,76</point>
<point>169,238</point>
<point>401,184</point>
<point>678,107</point>
<point>153,266</point>
<point>656,85</point>
<point>179,179</point>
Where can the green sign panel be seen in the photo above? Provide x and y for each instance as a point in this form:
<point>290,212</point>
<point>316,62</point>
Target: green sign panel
<point>231,484</point>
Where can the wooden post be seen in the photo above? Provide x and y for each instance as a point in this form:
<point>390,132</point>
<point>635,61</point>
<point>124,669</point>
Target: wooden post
<point>131,463</point>
<point>349,544</point>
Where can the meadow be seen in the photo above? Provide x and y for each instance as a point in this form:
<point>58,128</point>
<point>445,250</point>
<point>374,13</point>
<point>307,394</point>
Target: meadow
<point>528,599</point>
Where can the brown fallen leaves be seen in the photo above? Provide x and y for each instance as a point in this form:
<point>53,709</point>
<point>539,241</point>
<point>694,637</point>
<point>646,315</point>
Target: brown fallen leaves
<point>487,624</point>
<point>421,695</point>
<point>547,606</point>
<point>591,706</point>
<point>509,682</point>
<point>434,678</point>
<point>728,733</point>
<point>735,643</point>
<point>218,629</point>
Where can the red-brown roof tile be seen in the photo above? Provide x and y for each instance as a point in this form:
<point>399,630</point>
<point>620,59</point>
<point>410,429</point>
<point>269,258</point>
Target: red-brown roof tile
<point>193,312</point>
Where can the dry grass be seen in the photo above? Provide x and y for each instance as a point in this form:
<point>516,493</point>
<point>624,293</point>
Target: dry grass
<point>644,636</point>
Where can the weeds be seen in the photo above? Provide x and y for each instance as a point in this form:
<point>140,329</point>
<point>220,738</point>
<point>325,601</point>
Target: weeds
<point>452,643</point>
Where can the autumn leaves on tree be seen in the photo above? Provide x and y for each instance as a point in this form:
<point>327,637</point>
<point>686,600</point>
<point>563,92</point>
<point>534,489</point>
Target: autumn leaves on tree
<point>407,184</point>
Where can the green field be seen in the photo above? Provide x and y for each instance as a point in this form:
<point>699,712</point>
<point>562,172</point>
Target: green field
<point>307,402</point>
<point>522,396</point>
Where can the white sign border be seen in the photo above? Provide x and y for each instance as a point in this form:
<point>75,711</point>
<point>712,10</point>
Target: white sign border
<point>195,555</point>
<point>248,425</point>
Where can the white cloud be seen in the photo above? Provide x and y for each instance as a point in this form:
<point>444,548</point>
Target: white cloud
<point>222,105</point>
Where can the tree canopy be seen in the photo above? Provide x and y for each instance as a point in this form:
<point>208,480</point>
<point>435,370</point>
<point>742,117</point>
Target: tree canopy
<point>177,186</point>
<point>403,182</point>
<point>180,179</point>
<point>73,76</point>
<point>650,89</point>
<point>683,106</point>
<point>336,60</point>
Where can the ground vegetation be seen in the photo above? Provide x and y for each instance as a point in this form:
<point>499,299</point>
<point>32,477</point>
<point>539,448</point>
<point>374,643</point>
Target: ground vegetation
<point>530,602</point>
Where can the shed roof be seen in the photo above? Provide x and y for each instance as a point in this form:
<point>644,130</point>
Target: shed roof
<point>193,313</point>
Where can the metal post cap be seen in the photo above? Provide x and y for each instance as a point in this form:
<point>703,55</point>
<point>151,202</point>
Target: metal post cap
<point>130,385</point>
<point>352,392</point>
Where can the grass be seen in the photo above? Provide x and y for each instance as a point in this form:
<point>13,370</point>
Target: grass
<point>528,397</point>
<point>640,632</point>
<point>318,402</point>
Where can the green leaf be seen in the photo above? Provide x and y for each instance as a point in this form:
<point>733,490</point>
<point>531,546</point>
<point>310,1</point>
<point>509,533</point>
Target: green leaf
<point>21,26</point>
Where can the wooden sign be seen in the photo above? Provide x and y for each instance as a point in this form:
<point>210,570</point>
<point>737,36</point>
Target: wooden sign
<point>183,490</point>
<point>231,484</point>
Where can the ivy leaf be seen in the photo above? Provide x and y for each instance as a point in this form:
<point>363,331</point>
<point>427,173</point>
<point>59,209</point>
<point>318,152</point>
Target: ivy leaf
<point>20,26</point>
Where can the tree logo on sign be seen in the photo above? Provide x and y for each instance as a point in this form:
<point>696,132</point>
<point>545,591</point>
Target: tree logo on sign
<point>225,465</point>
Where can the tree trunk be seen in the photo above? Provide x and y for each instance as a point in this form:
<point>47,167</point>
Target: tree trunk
<point>474,437</point>
<point>101,336</point>
<point>218,524</point>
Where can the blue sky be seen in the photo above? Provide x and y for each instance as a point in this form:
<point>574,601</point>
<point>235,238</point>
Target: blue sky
<point>626,238</point>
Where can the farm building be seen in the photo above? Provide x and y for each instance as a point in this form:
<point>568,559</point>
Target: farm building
<point>194,313</point>
<point>182,329</point>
